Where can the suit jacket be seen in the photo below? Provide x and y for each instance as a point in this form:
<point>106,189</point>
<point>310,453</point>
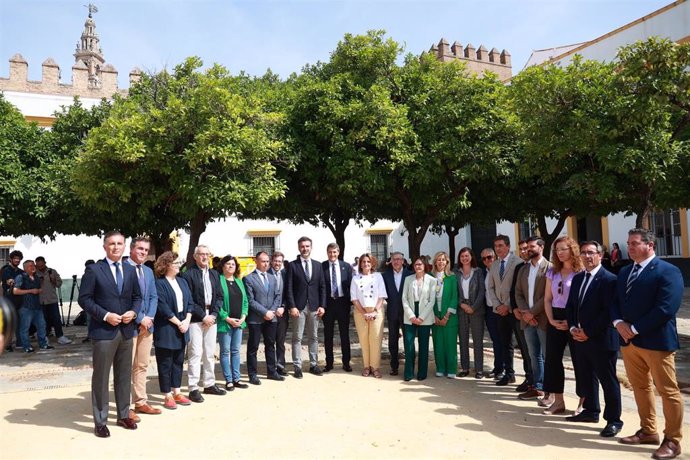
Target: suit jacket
<point>280,284</point>
<point>345,280</point>
<point>427,300</point>
<point>261,298</point>
<point>499,290</point>
<point>149,298</point>
<point>99,295</point>
<point>301,292</point>
<point>194,278</point>
<point>593,314</point>
<point>394,305</point>
<point>476,291</point>
<point>522,292</point>
<point>167,335</point>
<point>651,305</point>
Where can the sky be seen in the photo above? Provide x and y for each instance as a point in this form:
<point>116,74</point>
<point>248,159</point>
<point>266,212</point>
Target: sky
<point>253,36</point>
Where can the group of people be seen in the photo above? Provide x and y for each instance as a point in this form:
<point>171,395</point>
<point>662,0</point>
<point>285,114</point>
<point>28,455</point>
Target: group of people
<point>546,305</point>
<point>33,291</point>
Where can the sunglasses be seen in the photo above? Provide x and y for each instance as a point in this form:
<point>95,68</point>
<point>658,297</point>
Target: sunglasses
<point>487,257</point>
<point>560,287</point>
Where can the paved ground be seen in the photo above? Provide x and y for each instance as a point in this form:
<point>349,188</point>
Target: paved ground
<point>45,396</point>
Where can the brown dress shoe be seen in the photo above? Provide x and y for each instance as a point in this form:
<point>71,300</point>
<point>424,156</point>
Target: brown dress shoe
<point>134,416</point>
<point>667,449</point>
<point>146,409</point>
<point>127,423</point>
<point>640,438</point>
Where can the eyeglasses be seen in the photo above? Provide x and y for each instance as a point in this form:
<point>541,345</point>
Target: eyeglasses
<point>487,258</point>
<point>567,248</point>
<point>589,253</point>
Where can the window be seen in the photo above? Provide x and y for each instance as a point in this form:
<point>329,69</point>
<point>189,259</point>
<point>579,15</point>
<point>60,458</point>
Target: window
<point>527,228</point>
<point>379,248</point>
<point>4,256</point>
<point>263,243</point>
<point>666,227</point>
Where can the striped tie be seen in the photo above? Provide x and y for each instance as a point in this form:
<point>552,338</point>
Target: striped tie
<point>633,276</point>
<point>502,269</point>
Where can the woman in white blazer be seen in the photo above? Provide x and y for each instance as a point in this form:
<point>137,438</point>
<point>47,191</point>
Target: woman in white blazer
<point>419,296</point>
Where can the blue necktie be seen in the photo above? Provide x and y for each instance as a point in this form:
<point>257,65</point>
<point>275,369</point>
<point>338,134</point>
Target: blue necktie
<point>142,281</point>
<point>118,277</point>
<point>334,282</point>
<point>306,270</point>
<point>502,269</point>
<point>265,281</point>
<point>584,288</point>
<point>633,276</point>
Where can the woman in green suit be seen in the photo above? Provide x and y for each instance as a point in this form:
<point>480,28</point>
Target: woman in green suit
<point>445,331</point>
<point>231,321</point>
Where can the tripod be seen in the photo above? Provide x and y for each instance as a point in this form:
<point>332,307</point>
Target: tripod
<point>71,299</point>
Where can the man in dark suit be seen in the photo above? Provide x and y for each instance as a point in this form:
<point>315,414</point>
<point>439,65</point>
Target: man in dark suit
<point>282,317</point>
<point>595,339</point>
<point>110,294</point>
<point>394,280</point>
<point>338,277</point>
<point>263,300</point>
<point>644,313</point>
<point>306,297</point>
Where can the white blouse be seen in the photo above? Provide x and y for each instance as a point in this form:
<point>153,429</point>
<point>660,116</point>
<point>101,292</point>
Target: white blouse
<point>368,289</point>
<point>178,294</point>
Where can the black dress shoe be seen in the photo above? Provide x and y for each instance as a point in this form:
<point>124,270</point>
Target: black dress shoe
<point>127,423</point>
<point>229,386</point>
<point>195,396</point>
<point>583,417</point>
<point>506,380</point>
<point>276,377</point>
<point>214,390</point>
<point>316,370</point>
<point>101,431</point>
<point>611,430</point>
<point>393,372</point>
<point>329,367</point>
<point>497,375</point>
<point>524,386</point>
<point>463,373</point>
<point>238,384</point>
<point>254,380</point>
<point>347,368</point>
<point>282,372</point>
<point>298,373</point>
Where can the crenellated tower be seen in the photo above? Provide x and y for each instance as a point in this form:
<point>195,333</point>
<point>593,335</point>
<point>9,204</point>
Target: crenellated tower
<point>477,60</point>
<point>89,50</point>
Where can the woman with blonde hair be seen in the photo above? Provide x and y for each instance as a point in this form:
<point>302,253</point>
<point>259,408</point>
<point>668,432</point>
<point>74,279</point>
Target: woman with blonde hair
<point>368,292</point>
<point>445,330</point>
<point>565,257</point>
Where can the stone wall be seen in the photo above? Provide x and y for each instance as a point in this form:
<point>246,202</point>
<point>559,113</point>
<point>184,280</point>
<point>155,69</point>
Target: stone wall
<point>477,60</point>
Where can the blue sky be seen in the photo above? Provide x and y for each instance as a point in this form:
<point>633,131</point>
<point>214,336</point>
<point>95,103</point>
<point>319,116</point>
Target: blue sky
<point>284,35</point>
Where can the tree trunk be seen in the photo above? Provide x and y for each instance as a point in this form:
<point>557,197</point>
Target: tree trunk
<point>337,224</point>
<point>550,237</point>
<point>415,237</point>
<point>643,219</point>
<point>452,232</point>
<point>196,227</point>
<point>160,243</point>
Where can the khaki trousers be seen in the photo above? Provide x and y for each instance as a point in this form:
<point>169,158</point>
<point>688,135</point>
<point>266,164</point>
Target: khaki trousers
<point>644,368</point>
<point>141,354</point>
<point>370,335</point>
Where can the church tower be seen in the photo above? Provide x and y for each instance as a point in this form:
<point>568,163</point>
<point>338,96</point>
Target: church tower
<point>89,50</point>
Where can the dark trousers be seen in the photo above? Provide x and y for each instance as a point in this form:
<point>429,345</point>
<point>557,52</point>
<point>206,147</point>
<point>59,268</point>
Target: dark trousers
<point>509,326</point>
<point>422,334</point>
<point>51,313</point>
<point>268,330</point>
<point>394,324</point>
<point>281,333</point>
<point>169,364</point>
<point>115,353</point>
<point>492,326</point>
<point>337,310</point>
<point>596,366</point>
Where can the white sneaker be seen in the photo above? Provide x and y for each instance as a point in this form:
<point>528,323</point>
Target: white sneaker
<point>451,376</point>
<point>439,374</point>
<point>64,340</point>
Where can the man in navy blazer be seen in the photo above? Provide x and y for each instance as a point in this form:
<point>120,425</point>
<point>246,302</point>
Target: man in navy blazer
<point>394,279</point>
<point>110,294</point>
<point>338,275</point>
<point>264,300</point>
<point>306,297</point>
<point>282,317</point>
<point>595,341</point>
<point>649,294</point>
<point>143,335</point>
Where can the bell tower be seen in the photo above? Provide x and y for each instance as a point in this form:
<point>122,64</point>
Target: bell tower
<point>89,51</point>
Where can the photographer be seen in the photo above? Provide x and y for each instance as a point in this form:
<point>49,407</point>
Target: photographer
<point>50,281</point>
<point>9,272</point>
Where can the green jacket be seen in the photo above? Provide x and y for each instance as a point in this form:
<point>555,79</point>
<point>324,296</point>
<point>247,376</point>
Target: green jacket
<point>449,298</point>
<point>223,326</point>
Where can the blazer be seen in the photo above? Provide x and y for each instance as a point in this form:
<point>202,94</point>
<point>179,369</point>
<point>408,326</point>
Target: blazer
<point>166,334</point>
<point>394,306</point>
<point>593,314</point>
<point>345,280</point>
<point>651,305</point>
<point>193,276</point>
<point>149,298</point>
<point>98,295</point>
<point>498,291</point>
<point>261,299</point>
<point>477,290</point>
<point>449,297</point>
<point>224,312</point>
<point>280,284</point>
<point>522,292</point>
<point>301,292</point>
<point>427,299</point>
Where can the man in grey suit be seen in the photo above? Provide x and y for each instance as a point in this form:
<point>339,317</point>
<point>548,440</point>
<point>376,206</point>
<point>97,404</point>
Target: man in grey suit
<point>264,300</point>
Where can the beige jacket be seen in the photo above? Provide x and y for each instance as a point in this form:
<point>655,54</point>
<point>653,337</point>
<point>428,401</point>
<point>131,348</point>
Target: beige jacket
<point>498,291</point>
<point>427,298</point>
<point>522,292</point>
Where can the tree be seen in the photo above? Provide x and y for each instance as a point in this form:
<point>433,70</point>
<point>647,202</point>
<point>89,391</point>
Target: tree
<point>184,148</point>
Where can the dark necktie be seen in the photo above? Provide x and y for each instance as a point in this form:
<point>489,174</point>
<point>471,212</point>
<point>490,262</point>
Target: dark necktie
<point>142,281</point>
<point>265,281</point>
<point>633,276</point>
<point>334,282</point>
<point>584,288</point>
<point>118,277</point>
<point>306,270</point>
<point>502,269</point>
